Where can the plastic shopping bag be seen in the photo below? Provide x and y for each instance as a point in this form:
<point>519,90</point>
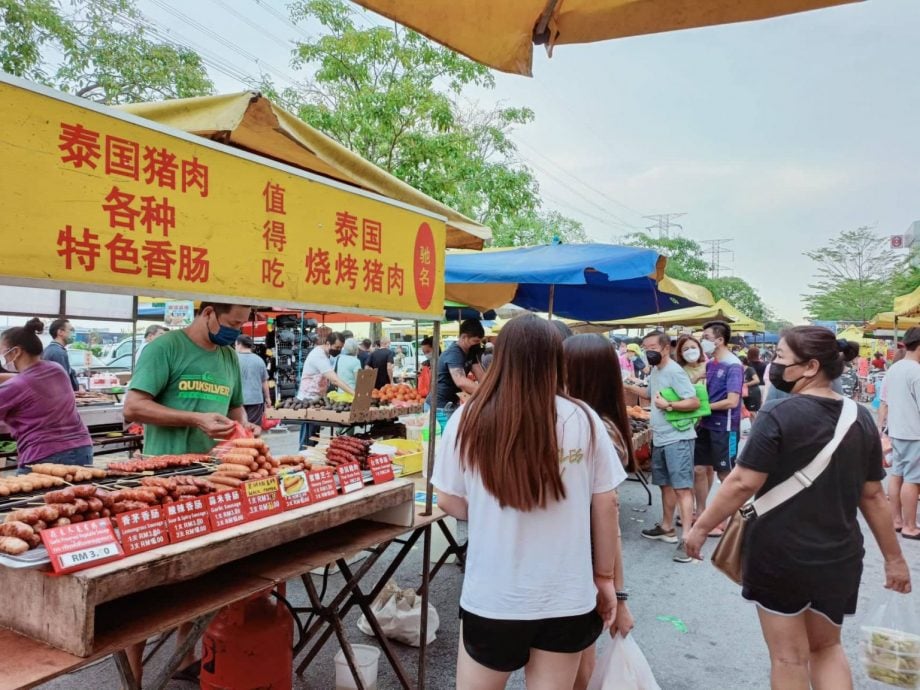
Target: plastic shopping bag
<point>890,641</point>
<point>622,666</point>
<point>399,612</point>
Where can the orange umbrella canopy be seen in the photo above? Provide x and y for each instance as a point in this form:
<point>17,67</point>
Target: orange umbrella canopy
<point>502,33</point>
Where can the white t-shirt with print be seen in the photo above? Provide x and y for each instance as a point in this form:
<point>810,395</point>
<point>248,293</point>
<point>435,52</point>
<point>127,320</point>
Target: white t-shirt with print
<point>537,564</point>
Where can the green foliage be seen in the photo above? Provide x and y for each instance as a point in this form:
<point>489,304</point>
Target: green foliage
<point>740,295</point>
<point>685,256</point>
<point>98,51</point>
<point>857,277</point>
<point>395,98</point>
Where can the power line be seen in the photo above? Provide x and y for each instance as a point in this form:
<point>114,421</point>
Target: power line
<point>716,250</point>
<point>246,20</point>
<point>663,224</point>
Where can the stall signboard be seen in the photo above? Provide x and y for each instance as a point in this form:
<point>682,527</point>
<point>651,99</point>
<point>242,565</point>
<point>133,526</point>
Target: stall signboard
<point>295,490</point>
<point>322,486</point>
<point>142,530</point>
<point>381,468</point>
<point>81,545</point>
<point>350,478</point>
<point>261,497</point>
<point>188,519</point>
<point>226,509</point>
<point>178,313</point>
<point>96,198</point>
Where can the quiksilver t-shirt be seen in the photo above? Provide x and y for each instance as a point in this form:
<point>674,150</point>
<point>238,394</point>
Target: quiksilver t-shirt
<point>182,376</point>
<point>536,564</point>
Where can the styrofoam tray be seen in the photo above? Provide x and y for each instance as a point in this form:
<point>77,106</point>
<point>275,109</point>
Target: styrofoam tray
<point>33,558</point>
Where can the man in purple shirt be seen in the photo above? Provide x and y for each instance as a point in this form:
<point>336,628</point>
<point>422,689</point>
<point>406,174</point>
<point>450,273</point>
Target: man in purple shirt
<point>717,435</point>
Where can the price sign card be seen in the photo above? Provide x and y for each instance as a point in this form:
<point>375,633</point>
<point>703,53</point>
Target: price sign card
<point>295,490</point>
<point>381,468</point>
<point>81,545</point>
<point>142,530</point>
<point>350,477</point>
<point>322,485</point>
<point>261,497</point>
<point>188,519</point>
<point>226,509</point>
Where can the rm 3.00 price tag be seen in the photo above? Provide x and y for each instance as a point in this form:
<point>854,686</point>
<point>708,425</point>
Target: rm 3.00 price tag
<point>90,555</point>
<point>81,545</point>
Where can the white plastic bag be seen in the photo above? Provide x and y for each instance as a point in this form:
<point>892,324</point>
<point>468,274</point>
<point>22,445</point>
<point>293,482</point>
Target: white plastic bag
<point>399,612</point>
<point>890,641</point>
<point>622,666</point>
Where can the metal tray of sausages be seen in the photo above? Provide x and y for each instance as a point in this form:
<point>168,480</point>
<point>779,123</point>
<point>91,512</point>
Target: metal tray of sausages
<point>33,558</point>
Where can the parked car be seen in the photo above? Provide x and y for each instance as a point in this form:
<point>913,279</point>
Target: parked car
<point>123,347</point>
<point>82,361</point>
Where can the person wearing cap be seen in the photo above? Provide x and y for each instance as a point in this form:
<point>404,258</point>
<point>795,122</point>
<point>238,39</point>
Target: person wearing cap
<point>638,364</point>
<point>901,395</point>
<point>254,375</point>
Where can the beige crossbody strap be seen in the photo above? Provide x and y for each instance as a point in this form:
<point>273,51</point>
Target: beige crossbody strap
<point>806,476</point>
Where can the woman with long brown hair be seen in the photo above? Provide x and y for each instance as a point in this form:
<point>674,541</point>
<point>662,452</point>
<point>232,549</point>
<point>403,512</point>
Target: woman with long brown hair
<point>593,375</point>
<point>535,473</point>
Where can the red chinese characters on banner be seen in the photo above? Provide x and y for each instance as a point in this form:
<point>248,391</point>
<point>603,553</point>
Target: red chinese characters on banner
<point>274,235</point>
<point>226,509</point>
<point>149,212</point>
<point>188,519</point>
<point>346,229</point>
<point>142,530</point>
<point>123,255</point>
<point>372,236</point>
<point>272,271</point>
<point>194,265</point>
<point>318,268</point>
<point>396,280</point>
<point>424,266</point>
<point>373,275</point>
<point>160,166</point>
<point>80,146</point>
<point>274,198</point>
<point>195,176</point>
<point>346,271</point>
<point>81,545</point>
<point>84,249</point>
<point>122,157</point>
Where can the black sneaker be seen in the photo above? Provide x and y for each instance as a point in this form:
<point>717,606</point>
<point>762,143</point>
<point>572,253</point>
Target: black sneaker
<point>680,554</point>
<point>660,534</point>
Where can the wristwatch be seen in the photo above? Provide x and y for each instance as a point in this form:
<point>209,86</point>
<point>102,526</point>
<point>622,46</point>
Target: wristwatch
<point>622,596</point>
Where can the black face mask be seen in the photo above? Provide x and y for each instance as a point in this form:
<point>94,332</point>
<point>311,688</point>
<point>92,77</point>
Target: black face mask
<point>335,353</point>
<point>776,377</point>
<point>654,358</point>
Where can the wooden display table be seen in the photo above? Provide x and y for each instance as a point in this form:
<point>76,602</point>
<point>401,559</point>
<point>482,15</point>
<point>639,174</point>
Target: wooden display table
<point>75,612</point>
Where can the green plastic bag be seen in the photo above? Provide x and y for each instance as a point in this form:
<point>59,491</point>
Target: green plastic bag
<point>685,420</point>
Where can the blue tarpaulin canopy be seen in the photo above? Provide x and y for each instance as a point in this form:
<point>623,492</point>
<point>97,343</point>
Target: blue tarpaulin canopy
<point>591,282</point>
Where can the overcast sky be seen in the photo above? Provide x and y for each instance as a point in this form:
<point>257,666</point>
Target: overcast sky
<point>776,134</point>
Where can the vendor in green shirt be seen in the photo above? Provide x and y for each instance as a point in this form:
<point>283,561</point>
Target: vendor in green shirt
<point>186,389</point>
<point>187,392</point>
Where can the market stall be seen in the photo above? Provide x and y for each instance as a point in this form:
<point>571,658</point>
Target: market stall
<point>171,214</point>
<point>690,316</point>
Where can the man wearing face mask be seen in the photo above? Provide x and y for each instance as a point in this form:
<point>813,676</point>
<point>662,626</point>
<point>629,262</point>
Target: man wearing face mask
<point>456,363</point>
<point>672,449</point>
<point>186,389</point>
<point>61,331</point>
<point>424,374</point>
<point>717,436</point>
<point>318,373</point>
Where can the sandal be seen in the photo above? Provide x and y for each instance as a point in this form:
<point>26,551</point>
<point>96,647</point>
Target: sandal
<point>915,537</point>
<point>717,532</point>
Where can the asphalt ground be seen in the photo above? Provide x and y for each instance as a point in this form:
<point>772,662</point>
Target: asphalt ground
<point>691,622</point>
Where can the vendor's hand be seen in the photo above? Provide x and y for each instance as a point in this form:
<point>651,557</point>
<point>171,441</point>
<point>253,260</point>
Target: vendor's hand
<point>215,425</point>
<point>606,600</point>
<point>693,542</point>
<point>897,575</point>
<point>254,429</point>
<point>661,403</point>
<point>624,621</point>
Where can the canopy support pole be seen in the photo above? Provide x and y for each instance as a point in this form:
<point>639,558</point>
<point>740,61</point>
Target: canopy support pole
<point>432,416</point>
<point>552,299</point>
<point>895,331</point>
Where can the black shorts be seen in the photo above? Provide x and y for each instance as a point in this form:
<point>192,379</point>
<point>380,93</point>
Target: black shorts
<point>504,645</point>
<point>716,449</point>
<point>787,603</point>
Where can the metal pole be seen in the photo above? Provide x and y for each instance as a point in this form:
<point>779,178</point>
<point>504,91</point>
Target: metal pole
<point>552,299</point>
<point>134,309</point>
<point>432,414</point>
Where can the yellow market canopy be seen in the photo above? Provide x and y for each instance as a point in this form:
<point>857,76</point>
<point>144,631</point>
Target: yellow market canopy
<point>97,199</point>
<point>885,321</point>
<point>692,316</point>
<point>908,305</point>
<point>502,33</point>
<point>251,122</point>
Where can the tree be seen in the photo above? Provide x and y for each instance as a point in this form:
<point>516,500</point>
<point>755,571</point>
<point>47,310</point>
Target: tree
<point>738,293</point>
<point>685,256</point>
<point>100,51</point>
<point>855,277</point>
<point>394,97</point>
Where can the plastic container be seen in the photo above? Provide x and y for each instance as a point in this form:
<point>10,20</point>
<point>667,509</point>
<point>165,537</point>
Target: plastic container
<point>367,659</point>
<point>411,464</point>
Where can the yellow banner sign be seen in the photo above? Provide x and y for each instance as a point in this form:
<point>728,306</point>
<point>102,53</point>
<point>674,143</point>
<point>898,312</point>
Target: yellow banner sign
<point>95,199</point>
